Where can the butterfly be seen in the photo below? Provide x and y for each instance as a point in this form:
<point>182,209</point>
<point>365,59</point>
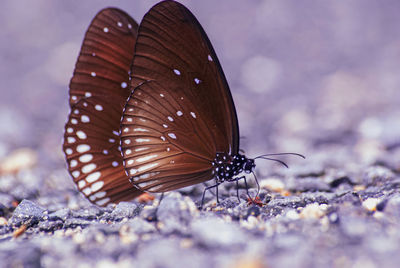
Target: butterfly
<point>150,104</point>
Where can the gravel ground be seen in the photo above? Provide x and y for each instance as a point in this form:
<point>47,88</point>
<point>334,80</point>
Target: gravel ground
<point>318,79</point>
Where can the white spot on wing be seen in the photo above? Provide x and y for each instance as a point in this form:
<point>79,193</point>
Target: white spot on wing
<point>105,29</point>
<point>145,167</point>
<point>68,151</point>
<point>74,121</point>
<point>144,176</point>
<point>141,140</point>
<point>70,130</point>
<point>145,183</point>
<point>146,158</point>
<point>114,163</point>
<point>172,135</point>
<point>81,134</point>
<point>81,184</point>
<point>87,191</point>
<point>71,139</point>
<point>130,162</point>
<point>179,113</point>
<point>73,163</point>
<point>97,186</point>
<point>100,194</point>
<point>88,94</point>
<point>124,84</point>
<point>177,72</point>
<point>132,171</point>
<point>161,95</point>
<point>128,141</point>
<point>88,168</point>
<point>129,151</point>
<point>105,151</point>
<point>86,158</point>
<point>119,24</point>
<point>156,188</point>
<point>209,58</point>
<point>85,119</point>
<point>141,129</point>
<point>93,177</point>
<point>81,148</point>
<point>93,74</point>
<point>103,201</point>
<point>193,114</point>
<point>75,174</point>
<point>98,107</point>
<point>141,149</point>
<point>197,81</point>
<point>170,118</point>
<point>111,140</point>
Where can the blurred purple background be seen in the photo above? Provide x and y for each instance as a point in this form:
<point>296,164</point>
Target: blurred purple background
<point>305,75</point>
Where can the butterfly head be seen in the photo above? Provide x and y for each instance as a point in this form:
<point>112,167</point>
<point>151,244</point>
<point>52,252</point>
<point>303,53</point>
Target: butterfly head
<point>249,165</point>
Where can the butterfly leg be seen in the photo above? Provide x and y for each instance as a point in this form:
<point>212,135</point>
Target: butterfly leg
<point>206,185</point>
<point>237,189</point>
<point>237,186</point>
<point>258,185</point>
<point>158,205</point>
<point>207,189</point>
<point>216,191</point>
<point>247,188</point>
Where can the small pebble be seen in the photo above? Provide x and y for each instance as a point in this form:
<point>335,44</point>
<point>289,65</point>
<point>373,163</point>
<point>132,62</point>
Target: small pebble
<point>313,211</point>
<point>371,203</point>
<point>17,160</point>
<point>272,184</point>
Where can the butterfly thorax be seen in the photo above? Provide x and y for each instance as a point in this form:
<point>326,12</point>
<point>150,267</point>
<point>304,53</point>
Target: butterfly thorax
<point>226,166</point>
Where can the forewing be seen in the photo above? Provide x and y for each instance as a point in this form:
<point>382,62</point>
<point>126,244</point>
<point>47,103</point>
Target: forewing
<point>98,91</point>
<point>173,49</point>
<point>181,112</point>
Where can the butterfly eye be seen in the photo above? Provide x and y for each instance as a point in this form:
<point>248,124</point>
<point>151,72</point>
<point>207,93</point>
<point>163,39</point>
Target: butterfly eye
<point>249,165</point>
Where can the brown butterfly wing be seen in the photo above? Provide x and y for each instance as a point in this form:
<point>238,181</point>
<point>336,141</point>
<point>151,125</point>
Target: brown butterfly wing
<point>98,91</point>
<point>181,112</point>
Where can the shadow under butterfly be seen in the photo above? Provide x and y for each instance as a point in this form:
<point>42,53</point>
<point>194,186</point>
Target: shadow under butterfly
<point>150,104</point>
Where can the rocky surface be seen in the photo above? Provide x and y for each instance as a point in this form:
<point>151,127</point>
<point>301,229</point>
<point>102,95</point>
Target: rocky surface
<point>321,80</point>
<point>305,219</point>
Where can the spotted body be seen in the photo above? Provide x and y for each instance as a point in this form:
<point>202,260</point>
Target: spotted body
<point>227,167</point>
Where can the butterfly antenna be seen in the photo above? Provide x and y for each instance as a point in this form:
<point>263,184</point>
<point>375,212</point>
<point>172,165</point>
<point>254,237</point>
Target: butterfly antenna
<point>295,154</point>
<point>273,159</point>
